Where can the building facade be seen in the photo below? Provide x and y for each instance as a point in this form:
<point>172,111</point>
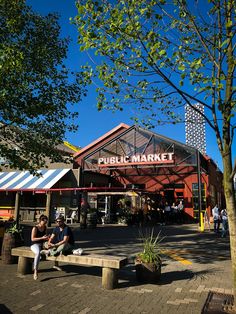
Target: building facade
<point>24,196</point>
<point>141,165</point>
<point>145,169</point>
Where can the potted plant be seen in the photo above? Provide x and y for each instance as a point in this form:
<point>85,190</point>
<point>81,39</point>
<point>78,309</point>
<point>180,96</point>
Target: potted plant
<point>12,238</point>
<point>148,262</point>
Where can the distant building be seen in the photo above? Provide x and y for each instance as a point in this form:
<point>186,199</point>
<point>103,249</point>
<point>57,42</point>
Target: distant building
<point>35,192</point>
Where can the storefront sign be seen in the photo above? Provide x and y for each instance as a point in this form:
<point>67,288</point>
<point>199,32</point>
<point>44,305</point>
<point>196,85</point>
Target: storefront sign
<point>162,158</point>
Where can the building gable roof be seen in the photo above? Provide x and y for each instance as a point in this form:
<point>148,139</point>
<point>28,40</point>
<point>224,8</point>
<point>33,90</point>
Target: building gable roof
<point>138,141</point>
<point>100,141</point>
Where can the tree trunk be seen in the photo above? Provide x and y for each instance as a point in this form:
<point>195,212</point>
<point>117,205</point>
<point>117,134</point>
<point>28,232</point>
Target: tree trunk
<point>231,209</point>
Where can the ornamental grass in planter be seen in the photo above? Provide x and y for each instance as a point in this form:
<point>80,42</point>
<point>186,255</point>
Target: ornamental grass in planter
<point>148,262</point>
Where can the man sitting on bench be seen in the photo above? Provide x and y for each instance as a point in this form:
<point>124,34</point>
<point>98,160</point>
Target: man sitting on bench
<point>61,240</point>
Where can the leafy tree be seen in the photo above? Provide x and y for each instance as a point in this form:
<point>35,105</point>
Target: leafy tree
<point>159,57</point>
<point>35,86</point>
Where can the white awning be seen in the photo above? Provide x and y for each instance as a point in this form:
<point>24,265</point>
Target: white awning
<point>24,180</point>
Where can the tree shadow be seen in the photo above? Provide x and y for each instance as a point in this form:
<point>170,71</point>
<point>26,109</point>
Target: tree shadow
<point>171,276</point>
<point>185,239</point>
<point>128,276</point>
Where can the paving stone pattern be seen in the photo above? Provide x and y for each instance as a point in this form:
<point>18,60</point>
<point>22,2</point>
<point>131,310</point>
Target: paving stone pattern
<point>183,287</point>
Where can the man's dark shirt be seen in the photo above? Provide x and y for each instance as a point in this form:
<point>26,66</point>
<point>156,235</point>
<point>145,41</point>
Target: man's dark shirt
<point>66,231</point>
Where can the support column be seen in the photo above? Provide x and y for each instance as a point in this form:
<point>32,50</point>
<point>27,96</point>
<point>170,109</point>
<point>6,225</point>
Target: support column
<point>17,208</point>
<point>84,210</point>
<point>24,265</point>
<point>48,206</point>
<point>199,188</point>
<point>109,278</point>
<point>78,195</point>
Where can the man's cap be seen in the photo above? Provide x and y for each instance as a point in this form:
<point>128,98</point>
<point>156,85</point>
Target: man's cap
<point>60,217</point>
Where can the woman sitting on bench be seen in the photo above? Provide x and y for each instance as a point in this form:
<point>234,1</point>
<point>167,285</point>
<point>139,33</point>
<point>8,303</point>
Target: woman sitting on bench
<point>38,237</point>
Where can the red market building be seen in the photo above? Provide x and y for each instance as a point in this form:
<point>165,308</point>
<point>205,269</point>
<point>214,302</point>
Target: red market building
<point>142,165</point>
<point>126,163</point>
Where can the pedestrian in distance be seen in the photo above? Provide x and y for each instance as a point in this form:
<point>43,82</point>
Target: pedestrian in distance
<point>61,240</point>
<point>145,212</point>
<point>207,221</point>
<point>38,238</point>
<point>180,209</point>
<point>224,219</point>
<point>161,214</point>
<point>216,218</point>
<point>167,211</point>
<point>174,211</point>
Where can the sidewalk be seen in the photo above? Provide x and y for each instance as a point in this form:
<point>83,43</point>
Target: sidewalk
<point>194,264</point>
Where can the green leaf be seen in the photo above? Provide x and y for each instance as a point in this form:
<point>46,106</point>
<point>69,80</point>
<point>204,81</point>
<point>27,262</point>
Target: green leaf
<point>229,24</point>
<point>36,87</point>
<point>162,52</point>
<point>181,67</point>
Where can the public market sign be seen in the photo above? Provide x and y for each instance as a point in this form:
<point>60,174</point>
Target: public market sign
<point>149,159</point>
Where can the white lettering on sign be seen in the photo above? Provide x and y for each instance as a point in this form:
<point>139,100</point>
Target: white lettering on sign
<point>160,158</point>
<point>135,158</point>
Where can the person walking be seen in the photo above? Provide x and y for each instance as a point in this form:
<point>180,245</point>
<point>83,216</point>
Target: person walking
<point>167,211</point>
<point>216,218</point>
<point>207,221</point>
<point>38,238</point>
<point>174,212</point>
<point>224,219</point>
<point>180,209</point>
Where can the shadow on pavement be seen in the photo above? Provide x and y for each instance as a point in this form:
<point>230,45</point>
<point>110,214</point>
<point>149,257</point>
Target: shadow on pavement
<point>72,270</point>
<point>4,309</point>
<point>56,277</point>
<point>186,240</point>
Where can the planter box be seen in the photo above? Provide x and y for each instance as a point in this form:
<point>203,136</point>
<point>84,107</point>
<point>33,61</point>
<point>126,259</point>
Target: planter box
<point>10,241</point>
<point>147,272</point>
<point>91,220</point>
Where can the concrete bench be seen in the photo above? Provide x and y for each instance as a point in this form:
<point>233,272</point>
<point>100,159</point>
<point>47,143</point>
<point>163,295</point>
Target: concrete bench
<point>110,264</point>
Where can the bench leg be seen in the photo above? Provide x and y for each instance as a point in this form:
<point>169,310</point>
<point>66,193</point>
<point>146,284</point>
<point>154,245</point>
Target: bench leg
<point>24,265</point>
<point>109,278</point>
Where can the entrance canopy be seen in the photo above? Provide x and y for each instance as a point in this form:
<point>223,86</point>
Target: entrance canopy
<point>24,180</point>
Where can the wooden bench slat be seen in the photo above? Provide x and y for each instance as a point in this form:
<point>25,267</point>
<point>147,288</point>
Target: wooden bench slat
<point>91,260</point>
<point>109,261</point>
<point>24,251</point>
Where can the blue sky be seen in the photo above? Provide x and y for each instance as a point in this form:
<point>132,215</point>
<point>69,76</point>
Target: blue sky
<point>93,124</point>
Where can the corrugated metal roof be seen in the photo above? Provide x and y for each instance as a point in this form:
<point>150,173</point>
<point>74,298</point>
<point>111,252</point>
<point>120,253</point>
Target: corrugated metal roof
<point>24,180</point>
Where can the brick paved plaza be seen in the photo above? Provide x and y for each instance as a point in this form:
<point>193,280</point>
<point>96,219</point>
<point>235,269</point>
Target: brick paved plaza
<point>194,264</point>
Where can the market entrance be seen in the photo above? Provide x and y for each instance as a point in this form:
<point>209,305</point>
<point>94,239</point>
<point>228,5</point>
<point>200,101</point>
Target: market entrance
<point>140,161</point>
<point>169,196</point>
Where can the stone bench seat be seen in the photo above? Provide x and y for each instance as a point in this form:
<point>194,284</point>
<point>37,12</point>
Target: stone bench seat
<point>110,264</point>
